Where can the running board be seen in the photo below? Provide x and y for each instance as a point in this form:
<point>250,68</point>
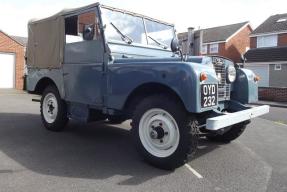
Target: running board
<point>36,100</point>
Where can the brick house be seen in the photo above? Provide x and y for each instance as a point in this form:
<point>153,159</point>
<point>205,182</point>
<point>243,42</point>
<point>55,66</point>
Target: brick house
<point>230,41</point>
<point>268,57</point>
<point>12,61</point>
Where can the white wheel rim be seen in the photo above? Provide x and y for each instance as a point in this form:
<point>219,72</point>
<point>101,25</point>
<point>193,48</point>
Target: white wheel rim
<point>159,133</point>
<point>50,108</point>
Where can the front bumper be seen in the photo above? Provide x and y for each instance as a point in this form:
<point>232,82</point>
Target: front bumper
<point>228,119</point>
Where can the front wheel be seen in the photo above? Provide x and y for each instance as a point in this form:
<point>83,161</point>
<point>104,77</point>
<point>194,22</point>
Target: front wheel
<point>164,133</point>
<point>233,133</point>
<point>53,110</point>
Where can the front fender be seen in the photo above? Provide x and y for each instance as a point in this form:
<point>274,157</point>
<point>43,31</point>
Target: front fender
<point>245,89</point>
<point>182,78</point>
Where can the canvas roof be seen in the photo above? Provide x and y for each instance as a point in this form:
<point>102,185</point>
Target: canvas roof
<point>46,37</point>
<point>74,10</point>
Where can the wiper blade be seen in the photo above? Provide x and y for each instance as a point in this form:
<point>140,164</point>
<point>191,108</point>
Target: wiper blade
<point>124,37</point>
<point>162,45</point>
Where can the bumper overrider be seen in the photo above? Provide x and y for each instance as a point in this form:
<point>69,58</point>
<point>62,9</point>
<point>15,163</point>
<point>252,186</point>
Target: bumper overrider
<point>228,119</point>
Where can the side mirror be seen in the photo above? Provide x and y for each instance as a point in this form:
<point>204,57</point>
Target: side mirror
<point>243,59</point>
<point>174,45</point>
<point>88,32</point>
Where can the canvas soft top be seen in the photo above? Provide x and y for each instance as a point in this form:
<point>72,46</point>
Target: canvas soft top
<point>45,47</point>
<point>75,10</point>
<point>64,12</point>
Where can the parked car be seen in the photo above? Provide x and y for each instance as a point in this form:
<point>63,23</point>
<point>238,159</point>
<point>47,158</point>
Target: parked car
<point>101,63</point>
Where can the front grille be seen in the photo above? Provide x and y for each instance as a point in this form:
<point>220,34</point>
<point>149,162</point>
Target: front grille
<point>223,86</point>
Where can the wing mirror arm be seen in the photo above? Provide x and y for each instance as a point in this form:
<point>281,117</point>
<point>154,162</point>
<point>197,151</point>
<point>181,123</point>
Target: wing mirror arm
<point>175,47</point>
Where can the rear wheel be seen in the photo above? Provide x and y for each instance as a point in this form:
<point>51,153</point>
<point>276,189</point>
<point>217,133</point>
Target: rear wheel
<point>164,134</point>
<point>53,110</point>
<point>232,134</point>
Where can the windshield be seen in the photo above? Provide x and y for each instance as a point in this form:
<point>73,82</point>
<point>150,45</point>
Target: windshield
<point>159,32</point>
<point>126,28</point>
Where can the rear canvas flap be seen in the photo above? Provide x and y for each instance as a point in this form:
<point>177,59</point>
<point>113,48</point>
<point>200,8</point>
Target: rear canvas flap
<point>46,43</point>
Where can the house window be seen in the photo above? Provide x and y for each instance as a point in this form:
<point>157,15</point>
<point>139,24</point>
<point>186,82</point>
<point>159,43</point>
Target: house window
<point>277,67</point>
<point>204,49</point>
<point>213,48</point>
<point>267,41</point>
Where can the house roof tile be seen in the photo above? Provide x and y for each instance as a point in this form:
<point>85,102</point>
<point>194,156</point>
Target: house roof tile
<point>271,25</point>
<point>220,33</point>
<point>22,40</point>
<point>267,54</point>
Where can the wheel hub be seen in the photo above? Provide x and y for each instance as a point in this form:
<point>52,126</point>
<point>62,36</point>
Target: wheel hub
<point>159,132</point>
<point>50,107</point>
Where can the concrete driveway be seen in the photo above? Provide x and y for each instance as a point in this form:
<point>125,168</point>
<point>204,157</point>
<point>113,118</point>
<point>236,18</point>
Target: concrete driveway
<point>101,157</point>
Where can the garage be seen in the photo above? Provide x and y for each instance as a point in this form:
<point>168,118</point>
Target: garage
<point>263,71</point>
<point>7,70</point>
<point>12,61</point>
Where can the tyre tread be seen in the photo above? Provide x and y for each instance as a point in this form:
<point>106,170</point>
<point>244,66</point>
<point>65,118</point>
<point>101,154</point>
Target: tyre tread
<point>187,124</point>
<point>62,118</point>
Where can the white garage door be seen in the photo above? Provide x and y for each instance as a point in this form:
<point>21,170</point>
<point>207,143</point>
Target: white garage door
<point>263,72</point>
<point>7,70</point>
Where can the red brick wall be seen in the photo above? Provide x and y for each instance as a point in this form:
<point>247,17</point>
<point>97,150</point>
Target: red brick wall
<point>10,46</point>
<point>282,39</point>
<point>236,46</point>
<point>86,18</point>
<point>221,47</point>
<point>253,42</point>
<point>273,94</point>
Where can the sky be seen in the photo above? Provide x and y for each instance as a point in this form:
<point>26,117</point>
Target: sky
<point>15,14</point>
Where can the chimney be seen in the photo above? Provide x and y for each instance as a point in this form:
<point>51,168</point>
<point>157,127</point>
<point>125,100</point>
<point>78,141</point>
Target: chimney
<point>190,41</point>
<point>197,42</point>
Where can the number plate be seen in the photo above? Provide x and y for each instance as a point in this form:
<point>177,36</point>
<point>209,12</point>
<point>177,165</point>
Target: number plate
<point>208,95</point>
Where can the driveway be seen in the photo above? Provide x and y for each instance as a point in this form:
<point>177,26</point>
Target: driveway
<point>101,157</point>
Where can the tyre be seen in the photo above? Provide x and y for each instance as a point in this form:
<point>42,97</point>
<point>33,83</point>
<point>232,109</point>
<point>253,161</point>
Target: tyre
<point>163,132</point>
<point>232,134</point>
<point>116,119</point>
<point>53,110</point>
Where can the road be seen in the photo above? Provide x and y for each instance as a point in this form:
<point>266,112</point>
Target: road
<point>101,157</point>
<point>277,114</point>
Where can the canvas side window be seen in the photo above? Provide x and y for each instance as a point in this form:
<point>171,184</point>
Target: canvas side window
<point>83,27</point>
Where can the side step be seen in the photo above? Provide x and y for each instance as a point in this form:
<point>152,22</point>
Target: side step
<point>36,100</point>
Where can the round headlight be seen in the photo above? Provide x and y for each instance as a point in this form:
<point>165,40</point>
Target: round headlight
<point>231,74</point>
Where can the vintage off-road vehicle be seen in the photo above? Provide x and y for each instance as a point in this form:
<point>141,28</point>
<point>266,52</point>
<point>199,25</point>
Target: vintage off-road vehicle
<point>100,63</point>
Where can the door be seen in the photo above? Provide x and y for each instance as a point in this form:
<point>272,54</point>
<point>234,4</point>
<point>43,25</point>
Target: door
<point>263,72</point>
<point>83,59</point>
<point>7,70</point>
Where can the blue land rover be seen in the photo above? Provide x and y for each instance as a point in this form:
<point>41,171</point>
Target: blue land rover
<point>98,63</point>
